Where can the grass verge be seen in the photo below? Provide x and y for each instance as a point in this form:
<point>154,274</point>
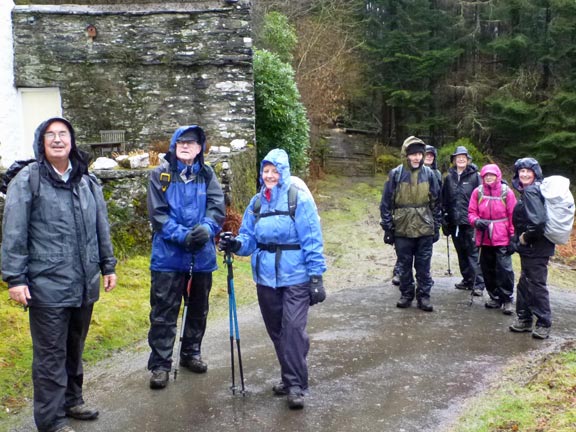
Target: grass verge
<point>120,320</point>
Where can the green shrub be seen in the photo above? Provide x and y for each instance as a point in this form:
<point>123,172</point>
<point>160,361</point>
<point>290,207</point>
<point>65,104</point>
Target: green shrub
<point>444,153</point>
<point>385,162</point>
<point>280,115</point>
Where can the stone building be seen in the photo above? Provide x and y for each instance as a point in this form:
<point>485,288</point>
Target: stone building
<point>142,68</point>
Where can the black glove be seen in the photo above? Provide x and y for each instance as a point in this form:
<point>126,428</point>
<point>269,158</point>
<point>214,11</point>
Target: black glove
<point>481,224</point>
<point>228,243</point>
<point>436,235</point>
<point>446,229</point>
<point>512,246</point>
<point>389,237</point>
<point>197,237</point>
<point>317,293</point>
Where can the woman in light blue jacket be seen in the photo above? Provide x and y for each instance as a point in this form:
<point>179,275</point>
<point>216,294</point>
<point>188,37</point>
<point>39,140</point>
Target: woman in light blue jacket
<point>281,230</point>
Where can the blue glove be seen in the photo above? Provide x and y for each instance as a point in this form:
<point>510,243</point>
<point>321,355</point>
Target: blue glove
<point>317,293</point>
<point>228,243</point>
<point>197,237</point>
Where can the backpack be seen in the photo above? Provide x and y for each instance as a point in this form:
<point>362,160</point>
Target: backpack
<point>559,208</point>
<point>296,185</point>
<point>15,168</point>
<point>502,197</point>
<point>292,203</point>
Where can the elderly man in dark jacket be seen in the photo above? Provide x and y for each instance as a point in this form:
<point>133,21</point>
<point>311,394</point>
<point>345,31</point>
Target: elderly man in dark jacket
<point>56,244</point>
<point>410,216</point>
<point>459,183</point>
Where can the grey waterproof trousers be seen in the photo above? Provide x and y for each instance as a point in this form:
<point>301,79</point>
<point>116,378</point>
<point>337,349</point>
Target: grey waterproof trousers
<point>58,336</point>
<point>285,314</point>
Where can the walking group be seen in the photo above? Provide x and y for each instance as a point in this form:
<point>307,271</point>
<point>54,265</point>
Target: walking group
<point>487,224</point>
<point>56,245</point>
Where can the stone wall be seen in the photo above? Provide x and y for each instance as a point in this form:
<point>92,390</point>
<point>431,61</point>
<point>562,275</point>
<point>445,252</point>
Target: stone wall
<point>349,153</point>
<point>125,192</point>
<point>145,68</point>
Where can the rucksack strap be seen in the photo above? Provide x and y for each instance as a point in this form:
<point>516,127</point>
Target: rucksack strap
<point>292,203</point>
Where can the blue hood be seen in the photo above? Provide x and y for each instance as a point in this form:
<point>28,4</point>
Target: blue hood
<point>278,158</point>
<point>171,155</point>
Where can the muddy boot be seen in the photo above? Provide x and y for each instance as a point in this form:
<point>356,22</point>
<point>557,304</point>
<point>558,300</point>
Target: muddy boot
<point>541,332</point>
<point>194,364</point>
<point>492,304</point>
<point>396,280</point>
<point>520,326</point>
<point>463,286</point>
<point>507,308</point>
<point>279,389</point>
<point>82,412</point>
<point>295,399</point>
<point>425,305</point>
<point>159,379</point>
<point>404,303</point>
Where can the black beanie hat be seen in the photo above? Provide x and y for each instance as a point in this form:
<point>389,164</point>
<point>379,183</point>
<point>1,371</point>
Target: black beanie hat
<point>190,135</point>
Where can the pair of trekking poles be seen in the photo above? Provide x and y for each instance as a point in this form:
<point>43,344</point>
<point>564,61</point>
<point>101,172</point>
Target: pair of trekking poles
<point>232,318</point>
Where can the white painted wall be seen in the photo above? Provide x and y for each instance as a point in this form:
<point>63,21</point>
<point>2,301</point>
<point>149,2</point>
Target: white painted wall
<point>12,146</point>
<point>21,110</point>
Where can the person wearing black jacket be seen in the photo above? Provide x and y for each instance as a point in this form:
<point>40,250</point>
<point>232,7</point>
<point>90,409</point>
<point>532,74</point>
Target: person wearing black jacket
<point>535,250</point>
<point>460,182</point>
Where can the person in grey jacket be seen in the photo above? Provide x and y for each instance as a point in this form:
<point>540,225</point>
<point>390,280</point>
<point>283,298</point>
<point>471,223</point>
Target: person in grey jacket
<point>56,245</point>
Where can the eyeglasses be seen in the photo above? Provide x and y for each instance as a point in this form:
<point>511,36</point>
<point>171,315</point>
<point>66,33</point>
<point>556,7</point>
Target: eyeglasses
<point>186,142</point>
<point>61,135</point>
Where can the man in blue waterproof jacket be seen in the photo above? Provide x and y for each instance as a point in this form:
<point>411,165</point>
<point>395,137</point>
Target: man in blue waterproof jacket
<point>186,208</point>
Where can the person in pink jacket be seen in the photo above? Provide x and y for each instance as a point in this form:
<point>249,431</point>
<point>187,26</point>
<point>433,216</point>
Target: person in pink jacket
<point>490,213</point>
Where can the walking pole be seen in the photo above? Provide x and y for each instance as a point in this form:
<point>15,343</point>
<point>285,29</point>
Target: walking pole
<point>233,320</point>
<point>183,325</point>
<point>449,272</point>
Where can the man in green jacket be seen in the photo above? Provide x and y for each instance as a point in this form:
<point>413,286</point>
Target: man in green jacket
<point>411,217</point>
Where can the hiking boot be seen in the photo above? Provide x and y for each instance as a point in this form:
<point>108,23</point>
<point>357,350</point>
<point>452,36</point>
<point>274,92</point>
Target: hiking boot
<point>65,428</point>
<point>424,304</point>
<point>295,399</point>
<point>477,292</point>
<point>396,280</point>
<point>507,308</point>
<point>541,332</point>
<point>279,389</point>
<point>520,326</point>
<point>404,302</point>
<point>82,412</point>
<point>492,304</point>
<point>463,286</point>
<point>194,364</point>
<point>159,379</point>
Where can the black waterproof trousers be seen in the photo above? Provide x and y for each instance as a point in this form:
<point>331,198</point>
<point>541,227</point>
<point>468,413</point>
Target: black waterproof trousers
<point>58,336</point>
<point>532,298</point>
<point>415,252</point>
<point>498,273</point>
<point>285,314</point>
<point>166,294</point>
<point>463,239</point>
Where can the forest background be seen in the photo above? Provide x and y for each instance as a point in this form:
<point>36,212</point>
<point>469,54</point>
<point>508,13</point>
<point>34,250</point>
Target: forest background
<point>500,73</point>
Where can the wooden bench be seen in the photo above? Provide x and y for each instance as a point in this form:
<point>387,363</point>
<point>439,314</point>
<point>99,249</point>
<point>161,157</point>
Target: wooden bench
<point>110,141</point>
